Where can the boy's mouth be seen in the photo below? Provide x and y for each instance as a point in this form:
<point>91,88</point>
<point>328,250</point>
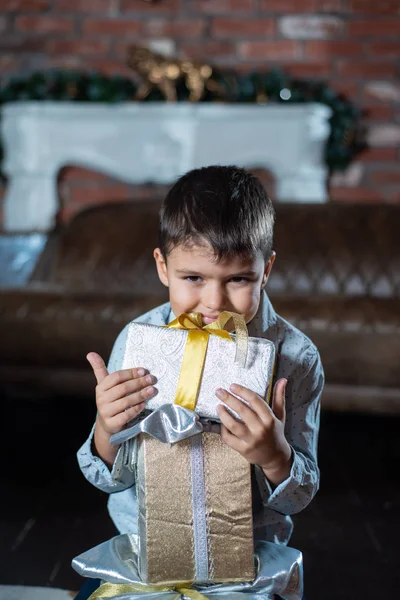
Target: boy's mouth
<point>207,319</point>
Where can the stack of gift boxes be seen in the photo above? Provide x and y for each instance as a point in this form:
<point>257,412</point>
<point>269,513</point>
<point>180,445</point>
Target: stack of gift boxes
<point>194,496</point>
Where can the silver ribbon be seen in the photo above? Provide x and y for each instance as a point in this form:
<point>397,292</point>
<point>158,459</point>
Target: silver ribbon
<point>279,572</point>
<point>170,424</point>
<point>199,509</point>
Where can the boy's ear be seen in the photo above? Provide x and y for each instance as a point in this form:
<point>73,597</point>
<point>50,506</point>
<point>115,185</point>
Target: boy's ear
<point>267,270</point>
<point>161,266</point>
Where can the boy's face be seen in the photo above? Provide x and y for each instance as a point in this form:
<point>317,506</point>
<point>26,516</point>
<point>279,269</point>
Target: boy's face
<point>197,283</point>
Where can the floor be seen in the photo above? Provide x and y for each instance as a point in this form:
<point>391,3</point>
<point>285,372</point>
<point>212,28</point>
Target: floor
<point>349,534</point>
<point>27,592</point>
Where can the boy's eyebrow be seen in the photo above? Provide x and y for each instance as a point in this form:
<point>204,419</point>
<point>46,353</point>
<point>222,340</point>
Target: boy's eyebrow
<point>250,273</point>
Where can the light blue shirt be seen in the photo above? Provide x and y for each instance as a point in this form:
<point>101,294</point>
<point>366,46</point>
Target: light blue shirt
<point>299,362</point>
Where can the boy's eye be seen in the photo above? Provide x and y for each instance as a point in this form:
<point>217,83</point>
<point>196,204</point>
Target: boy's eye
<point>193,278</point>
<point>239,279</point>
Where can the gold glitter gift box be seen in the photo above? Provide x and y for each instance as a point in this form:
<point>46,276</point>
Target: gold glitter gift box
<point>194,511</point>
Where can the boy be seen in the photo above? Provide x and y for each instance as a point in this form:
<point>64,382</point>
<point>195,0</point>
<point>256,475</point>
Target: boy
<point>215,254</point>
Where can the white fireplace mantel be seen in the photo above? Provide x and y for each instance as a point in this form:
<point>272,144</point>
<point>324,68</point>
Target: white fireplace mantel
<point>156,142</point>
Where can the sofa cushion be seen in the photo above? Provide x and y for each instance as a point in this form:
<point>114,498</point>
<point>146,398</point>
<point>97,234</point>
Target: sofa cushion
<point>51,328</point>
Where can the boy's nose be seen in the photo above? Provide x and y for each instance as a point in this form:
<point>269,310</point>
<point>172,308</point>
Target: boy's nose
<point>214,299</point>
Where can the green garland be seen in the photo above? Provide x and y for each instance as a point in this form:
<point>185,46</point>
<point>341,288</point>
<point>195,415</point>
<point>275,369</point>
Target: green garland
<point>346,139</point>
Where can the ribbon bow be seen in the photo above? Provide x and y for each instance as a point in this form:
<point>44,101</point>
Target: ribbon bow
<point>196,349</point>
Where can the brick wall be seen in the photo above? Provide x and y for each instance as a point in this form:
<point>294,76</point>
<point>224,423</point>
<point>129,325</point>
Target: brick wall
<point>352,43</point>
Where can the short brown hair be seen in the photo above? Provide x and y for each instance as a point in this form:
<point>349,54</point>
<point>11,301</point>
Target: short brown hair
<point>226,206</point>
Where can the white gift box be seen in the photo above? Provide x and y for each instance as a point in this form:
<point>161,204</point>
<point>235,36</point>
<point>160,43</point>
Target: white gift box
<point>161,350</point>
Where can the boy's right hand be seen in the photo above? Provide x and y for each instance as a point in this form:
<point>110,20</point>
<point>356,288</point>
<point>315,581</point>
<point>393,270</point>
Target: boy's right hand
<point>121,396</point>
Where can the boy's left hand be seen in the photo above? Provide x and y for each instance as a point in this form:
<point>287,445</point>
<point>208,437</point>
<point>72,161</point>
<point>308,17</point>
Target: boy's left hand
<point>260,439</point>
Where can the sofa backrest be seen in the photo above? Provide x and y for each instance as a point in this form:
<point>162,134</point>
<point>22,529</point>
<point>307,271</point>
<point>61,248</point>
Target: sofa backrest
<point>337,249</point>
<point>328,250</point>
<point>106,249</point>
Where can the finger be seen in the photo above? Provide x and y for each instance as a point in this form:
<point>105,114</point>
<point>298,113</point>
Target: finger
<point>235,427</point>
<point>278,402</point>
<point>231,440</point>
<point>129,387</point>
<point>130,401</point>
<point>127,415</point>
<point>121,377</point>
<point>248,416</point>
<point>98,366</point>
<point>256,403</point>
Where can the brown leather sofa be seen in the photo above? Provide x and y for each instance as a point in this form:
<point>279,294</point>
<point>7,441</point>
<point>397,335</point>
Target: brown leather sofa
<point>337,277</point>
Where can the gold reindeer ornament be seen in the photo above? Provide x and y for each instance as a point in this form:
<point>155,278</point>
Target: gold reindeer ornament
<point>162,72</point>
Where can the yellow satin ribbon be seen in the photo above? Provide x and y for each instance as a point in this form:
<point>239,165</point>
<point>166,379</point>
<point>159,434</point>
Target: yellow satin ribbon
<point>196,348</point>
<point>110,590</point>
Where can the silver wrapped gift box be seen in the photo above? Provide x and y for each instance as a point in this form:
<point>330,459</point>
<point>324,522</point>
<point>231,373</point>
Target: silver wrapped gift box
<point>161,350</point>
<point>279,575</point>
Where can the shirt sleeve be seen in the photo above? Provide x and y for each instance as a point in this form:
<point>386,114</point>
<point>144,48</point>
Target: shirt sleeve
<point>301,430</point>
<point>93,468</point>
